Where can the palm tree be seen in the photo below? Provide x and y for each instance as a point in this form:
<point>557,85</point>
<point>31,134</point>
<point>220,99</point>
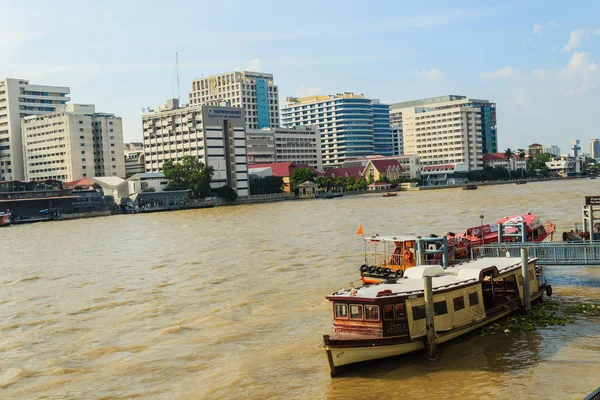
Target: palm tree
<point>521,153</point>
<point>508,155</point>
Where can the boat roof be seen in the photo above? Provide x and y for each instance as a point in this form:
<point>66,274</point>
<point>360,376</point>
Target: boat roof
<point>398,238</point>
<point>443,279</point>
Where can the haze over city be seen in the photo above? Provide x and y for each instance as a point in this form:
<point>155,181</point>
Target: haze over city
<point>537,61</point>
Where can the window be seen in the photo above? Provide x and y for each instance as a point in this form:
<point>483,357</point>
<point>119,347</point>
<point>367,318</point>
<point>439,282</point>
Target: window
<point>388,312</point>
<point>418,312</point>
<point>356,311</point>
<point>83,159</point>
<point>372,313</point>
<point>440,308</point>
<point>473,299</point>
<point>82,151</point>
<point>80,129</point>
<point>80,122</point>
<point>459,303</point>
<point>400,314</point>
<point>80,137</point>
<point>341,311</point>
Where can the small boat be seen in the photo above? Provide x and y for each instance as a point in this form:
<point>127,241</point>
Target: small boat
<point>520,182</point>
<point>389,319</point>
<point>470,186</point>
<point>5,218</point>
<point>390,194</point>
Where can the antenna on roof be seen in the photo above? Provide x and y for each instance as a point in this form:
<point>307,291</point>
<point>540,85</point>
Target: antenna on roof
<point>177,66</point>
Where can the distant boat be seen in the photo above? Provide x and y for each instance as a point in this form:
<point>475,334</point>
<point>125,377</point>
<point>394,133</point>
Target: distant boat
<point>390,194</point>
<point>470,186</point>
<point>521,182</point>
<point>5,218</point>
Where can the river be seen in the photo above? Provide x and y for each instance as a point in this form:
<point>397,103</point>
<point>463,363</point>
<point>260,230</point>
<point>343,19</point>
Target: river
<point>230,302</point>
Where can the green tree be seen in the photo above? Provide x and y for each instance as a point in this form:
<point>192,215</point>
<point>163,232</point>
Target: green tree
<point>508,155</point>
<point>340,183</point>
<point>301,175</point>
<point>189,174</point>
<point>227,193</point>
<point>322,181</point>
<point>266,185</point>
<point>149,190</point>
<point>362,183</point>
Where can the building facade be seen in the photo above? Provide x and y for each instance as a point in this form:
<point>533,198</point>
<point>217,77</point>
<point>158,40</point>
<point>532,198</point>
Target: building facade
<point>300,144</point>
<point>575,148</point>
<point>351,125</point>
<point>535,149</point>
<point>442,135</point>
<point>397,140</point>
<point>499,160</point>
<point>255,92</point>
<point>489,134</point>
<point>595,148</point>
<point>554,150</point>
<point>19,99</point>
<point>72,144</point>
<point>411,164</point>
<point>215,135</point>
<point>134,158</point>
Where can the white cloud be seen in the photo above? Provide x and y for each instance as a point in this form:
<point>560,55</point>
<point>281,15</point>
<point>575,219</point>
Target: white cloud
<point>500,73</point>
<point>542,74</point>
<point>581,68</point>
<point>575,39</point>
<point>537,29</point>
<point>433,74</point>
<point>254,66</point>
<point>304,91</point>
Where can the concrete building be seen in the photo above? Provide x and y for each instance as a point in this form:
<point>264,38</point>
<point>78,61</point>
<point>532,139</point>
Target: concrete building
<point>300,144</point>
<point>566,166</point>
<point>383,169</point>
<point>443,133</point>
<point>215,135</point>
<point>255,92</point>
<point>498,160</point>
<point>554,150</point>
<point>153,181</point>
<point>411,164</point>
<point>443,175</point>
<point>535,149</point>
<point>575,148</point>
<point>351,125</point>
<point>397,140</point>
<point>19,99</point>
<point>71,144</point>
<point>595,149</point>
<point>134,158</point>
<point>488,115</point>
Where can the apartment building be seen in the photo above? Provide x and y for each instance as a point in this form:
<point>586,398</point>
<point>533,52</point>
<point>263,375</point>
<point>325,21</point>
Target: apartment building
<point>134,158</point>
<point>72,144</point>
<point>215,135</point>
<point>351,125</point>
<point>19,99</point>
<point>300,144</point>
<point>594,149</point>
<point>255,92</point>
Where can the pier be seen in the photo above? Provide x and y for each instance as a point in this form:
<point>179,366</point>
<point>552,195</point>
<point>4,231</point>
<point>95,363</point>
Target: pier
<point>548,253</point>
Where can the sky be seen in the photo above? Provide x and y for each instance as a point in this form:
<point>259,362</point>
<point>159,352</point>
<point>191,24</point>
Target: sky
<point>535,59</point>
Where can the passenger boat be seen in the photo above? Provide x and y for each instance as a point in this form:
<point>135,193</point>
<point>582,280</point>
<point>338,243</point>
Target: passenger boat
<point>470,186</point>
<point>387,257</point>
<point>390,194</point>
<point>5,218</point>
<point>388,319</point>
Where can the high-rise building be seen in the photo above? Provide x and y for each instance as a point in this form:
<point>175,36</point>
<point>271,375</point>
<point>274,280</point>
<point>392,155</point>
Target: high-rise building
<point>134,158</point>
<point>553,149</point>
<point>300,144</point>
<point>575,148</point>
<point>442,135</point>
<point>19,99</point>
<point>351,125</point>
<point>72,143</point>
<point>595,148</point>
<point>215,135</point>
<point>253,91</point>
<point>488,115</point>
<point>397,140</point>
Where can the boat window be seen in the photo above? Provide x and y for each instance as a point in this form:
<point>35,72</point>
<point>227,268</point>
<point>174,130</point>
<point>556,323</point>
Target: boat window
<point>459,303</point>
<point>418,312</point>
<point>400,313</point>
<point>356,311</point>
<point>440,308</point>
<point>341,311</point>
<point>473,299</point>
<point>388,312</point>
<point>372,313</point>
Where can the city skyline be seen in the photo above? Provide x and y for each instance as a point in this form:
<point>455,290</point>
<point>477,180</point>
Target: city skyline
<point>536,61</point>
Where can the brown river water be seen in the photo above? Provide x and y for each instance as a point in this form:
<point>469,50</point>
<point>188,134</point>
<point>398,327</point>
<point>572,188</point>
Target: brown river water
<point>230,303</point>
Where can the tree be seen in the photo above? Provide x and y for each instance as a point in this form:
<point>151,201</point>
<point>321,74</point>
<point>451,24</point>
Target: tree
<point>301,175</point>
<point>508,155</point>
<point>227,193</point>
<point>189,174</point>
<point>362,183</point>
<point>537,165</point>
<point>522,153</point>
<point>340,182</point>
<point>149,189</point>
<point>266,185</point>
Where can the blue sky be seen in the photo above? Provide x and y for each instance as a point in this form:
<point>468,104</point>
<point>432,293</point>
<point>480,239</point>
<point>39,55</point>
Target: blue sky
<point>536,60</point>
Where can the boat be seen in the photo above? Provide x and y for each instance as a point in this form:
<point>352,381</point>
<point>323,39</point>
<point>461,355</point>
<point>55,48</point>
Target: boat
<point>372,322</point>
<point>5,218</point>
<point>470,186</point>
<point>520,182</point>
<point>390,194</point>
<point>332,195</point>
<point>387,257</point>
<point>488,233</point>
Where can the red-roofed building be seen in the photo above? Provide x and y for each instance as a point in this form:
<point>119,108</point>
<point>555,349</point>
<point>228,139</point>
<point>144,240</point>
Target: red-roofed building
<point>498,160</point>
<point>535,149</point>
<point>83,183</point>
<point>345,173</point>
<point>382,169</point>
<point>283,170</point>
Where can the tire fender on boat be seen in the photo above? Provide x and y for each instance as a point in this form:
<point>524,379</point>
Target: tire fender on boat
<point>399,273</point>
<point>386,271</point>
<point>364,268</point>
<point>371,269</point>
<point>378,270</point>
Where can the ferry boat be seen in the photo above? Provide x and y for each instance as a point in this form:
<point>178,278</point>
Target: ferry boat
<point>387,257</point>
<point>390,194</point>
<point>388,319</point>
<point>5,218</point>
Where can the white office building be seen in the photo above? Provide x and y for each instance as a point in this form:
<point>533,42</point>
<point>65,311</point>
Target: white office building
<point>19,99</point>
<point>215,135</point>
<point>134,158</point>
<point>595,148</point>
<point>300,144</point>
<point>255,92</point>
<point>73,143</point>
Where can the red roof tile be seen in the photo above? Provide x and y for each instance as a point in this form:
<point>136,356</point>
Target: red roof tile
<point>344,172</point>
<point>384,165</point>
<point>443,166</point>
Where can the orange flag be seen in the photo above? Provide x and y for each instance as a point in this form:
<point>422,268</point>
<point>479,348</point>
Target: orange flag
<point>359,231</point>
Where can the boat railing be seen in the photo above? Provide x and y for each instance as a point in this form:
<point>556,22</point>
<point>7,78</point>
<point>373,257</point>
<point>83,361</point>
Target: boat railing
<point>555,253</point>
<point>384,259</point>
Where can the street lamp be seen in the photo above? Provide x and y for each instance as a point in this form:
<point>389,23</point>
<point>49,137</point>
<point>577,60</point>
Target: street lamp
<point>482,237</point>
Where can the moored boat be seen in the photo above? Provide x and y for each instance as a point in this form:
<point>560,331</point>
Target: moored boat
<point>470,186</point>
<point>390,194</point>
<point>388,319</point>
<point>5,218</point>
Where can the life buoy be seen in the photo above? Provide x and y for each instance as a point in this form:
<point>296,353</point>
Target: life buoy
<point>387,271</point>
<point>378,270</point>
<point>548,290</point>
<point>364,268</point>
<point>399,273</point>
<point>371,269</point>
